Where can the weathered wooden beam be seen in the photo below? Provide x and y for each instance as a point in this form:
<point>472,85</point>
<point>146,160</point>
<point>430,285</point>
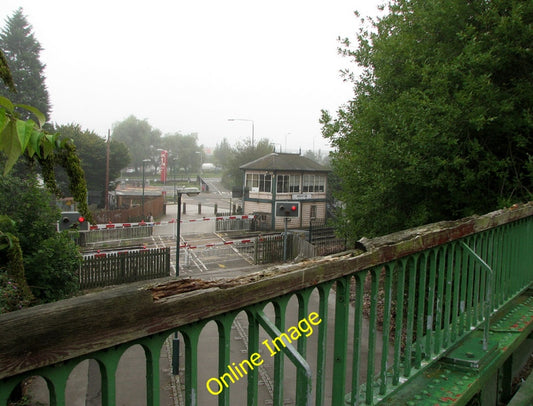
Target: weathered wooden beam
<point>51,333</point>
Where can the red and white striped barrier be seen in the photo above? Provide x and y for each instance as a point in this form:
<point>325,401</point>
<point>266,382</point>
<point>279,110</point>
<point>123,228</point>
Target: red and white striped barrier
<point>109,226</point>
<point>185,245</point>
<point>210,245</point>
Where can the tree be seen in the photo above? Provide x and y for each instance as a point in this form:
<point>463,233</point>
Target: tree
<point>244,152</point>
<point>440,126</point>
<point>223,153</point>
<point>50,259</point>
<point>318,156</point>
<point>22,51</point>
<point>92,150</point>
<point>30,248</point>
<point>185,150</point>
<point>139,136</point>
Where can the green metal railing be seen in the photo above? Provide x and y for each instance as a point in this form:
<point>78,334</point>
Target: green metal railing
<point>341,330</point>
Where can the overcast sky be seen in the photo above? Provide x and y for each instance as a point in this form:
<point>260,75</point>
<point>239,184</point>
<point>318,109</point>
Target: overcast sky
<point>189,66</point>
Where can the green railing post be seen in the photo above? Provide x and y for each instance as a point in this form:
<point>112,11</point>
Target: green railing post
<point>253,347</point>
<point>304,387</point>
<point>421,309</point>
<point>357,334</point>
<point>372,333</point>
<point>301,376</point>
<point>340,344</point>
<point>386,327</point>
<point>224,324</point>
<point>488,294</point>
<point>191,335</point>
<point>410,320</point>
<point>280,307</point>
<point>398,320</point>
<point>323,291</point>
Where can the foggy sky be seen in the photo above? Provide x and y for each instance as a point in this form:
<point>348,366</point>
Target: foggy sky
<point>190,66</point>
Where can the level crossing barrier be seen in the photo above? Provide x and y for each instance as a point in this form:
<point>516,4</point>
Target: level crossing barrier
<point>398,309</point>
<point>109,226</point>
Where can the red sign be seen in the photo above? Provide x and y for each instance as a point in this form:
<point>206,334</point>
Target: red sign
<point>164,160</point>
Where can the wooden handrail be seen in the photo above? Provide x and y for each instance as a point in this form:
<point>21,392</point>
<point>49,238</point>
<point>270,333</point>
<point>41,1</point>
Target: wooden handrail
<point>51,333</point>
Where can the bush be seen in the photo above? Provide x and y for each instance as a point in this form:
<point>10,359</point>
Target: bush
<point>55,268</point>
<point>11,295</point>
<point>50,259</point>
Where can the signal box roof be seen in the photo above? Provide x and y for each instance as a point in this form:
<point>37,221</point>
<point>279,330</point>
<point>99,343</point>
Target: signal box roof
<point>278,161</point>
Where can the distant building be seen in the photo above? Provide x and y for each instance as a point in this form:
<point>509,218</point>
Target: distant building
<point>290,179</point>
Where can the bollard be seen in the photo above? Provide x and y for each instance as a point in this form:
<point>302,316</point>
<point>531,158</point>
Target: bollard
<point>184,208</point>
<point>199,208</point>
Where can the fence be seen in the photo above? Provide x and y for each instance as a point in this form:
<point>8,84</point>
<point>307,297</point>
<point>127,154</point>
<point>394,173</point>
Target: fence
<point>92,237</point>
<point>325,240</point>
<point>239,224</point>
<point>154,205</point>
<point>267,249</point>
<point>415,295</point>
<point>123,267</point>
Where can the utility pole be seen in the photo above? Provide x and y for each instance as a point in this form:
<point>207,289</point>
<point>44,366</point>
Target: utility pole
<point>107,171</point>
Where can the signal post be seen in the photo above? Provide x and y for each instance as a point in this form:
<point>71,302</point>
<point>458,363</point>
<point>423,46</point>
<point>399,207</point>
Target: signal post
<point>287,210</point>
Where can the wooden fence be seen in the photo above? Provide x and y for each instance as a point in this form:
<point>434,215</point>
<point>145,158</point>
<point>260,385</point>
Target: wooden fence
<point>154,205</point>
<point>325,240</point>
<point>124,267</point>
<point>269,249</point>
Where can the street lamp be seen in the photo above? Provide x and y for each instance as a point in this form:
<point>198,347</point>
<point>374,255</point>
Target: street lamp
<point>142,200</point>
<point>189,191</point>
<point>245,119</point>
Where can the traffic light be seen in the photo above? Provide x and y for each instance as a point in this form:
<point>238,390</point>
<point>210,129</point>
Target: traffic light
<point>72,220</point>
<point>287,209</point>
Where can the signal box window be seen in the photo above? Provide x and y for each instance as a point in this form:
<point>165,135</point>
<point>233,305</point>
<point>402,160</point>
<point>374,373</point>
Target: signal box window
<point>259,182</point>
<point>314,183</point>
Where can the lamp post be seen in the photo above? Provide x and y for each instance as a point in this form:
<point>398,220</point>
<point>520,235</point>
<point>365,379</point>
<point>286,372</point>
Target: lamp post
<point>189,191</point>
<point>142,199</point>
<point>245,119</point>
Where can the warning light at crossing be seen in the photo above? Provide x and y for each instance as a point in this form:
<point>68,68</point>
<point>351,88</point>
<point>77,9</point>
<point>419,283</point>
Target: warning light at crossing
<point>287,209</point>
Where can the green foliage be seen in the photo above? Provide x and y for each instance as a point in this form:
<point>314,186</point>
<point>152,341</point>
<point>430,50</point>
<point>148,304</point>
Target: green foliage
<point>92,151</point>
<point>243,153</point>
<point>31,251</point>
<point>57,259</point>
<point>19,137</point>
<point>11,295</point>
<point>5,73</point>
<point>14,290</point>
<point>32,222</point>
<point>223,153</point>
<point>22,50</point>
<point>440,125</point>
<point>185,150</point>
<point>139,137</point>
<point>68,159</point>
